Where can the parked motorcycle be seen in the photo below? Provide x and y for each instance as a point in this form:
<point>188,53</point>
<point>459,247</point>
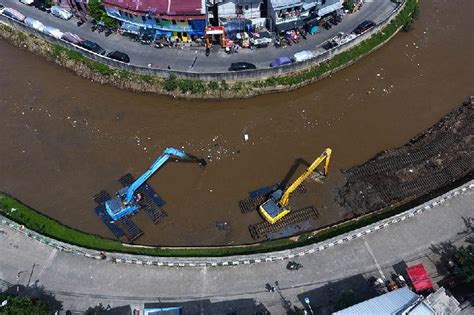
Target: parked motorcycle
<point>293,265</point>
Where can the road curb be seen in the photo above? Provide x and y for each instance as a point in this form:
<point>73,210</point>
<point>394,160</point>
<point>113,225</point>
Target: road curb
<point>231,261</point>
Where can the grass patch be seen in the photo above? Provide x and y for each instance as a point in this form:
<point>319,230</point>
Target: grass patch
<point>100,67</point>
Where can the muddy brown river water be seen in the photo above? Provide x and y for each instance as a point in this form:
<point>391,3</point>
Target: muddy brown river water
<point>63,139</point>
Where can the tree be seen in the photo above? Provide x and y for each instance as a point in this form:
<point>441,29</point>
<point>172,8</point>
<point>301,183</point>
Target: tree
<point>23,305</point>
<point>465,257</point>
<point>97,11</point>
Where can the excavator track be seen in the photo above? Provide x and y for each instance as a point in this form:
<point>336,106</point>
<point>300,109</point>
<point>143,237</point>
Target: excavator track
<point>260,230</point>
<point>132,231</point>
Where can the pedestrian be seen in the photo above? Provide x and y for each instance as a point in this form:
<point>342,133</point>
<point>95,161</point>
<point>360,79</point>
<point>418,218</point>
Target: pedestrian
<point>273,289</point>
<point>169,67</point>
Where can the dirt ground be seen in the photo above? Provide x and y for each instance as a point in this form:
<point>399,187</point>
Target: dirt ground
<point>433,159</point>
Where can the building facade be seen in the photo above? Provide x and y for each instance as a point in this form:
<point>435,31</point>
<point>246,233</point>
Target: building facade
<point>289,14</point>
<point>181,19</point>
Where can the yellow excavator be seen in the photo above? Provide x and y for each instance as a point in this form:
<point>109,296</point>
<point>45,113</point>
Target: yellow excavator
<point>276,207</point>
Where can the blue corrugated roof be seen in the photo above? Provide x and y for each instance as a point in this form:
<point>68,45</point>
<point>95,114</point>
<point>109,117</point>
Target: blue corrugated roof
<point>388,303</point>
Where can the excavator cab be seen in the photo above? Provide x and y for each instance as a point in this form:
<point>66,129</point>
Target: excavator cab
<point>271,210</point>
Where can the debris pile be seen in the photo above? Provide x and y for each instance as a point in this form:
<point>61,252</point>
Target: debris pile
<point>433,159</point>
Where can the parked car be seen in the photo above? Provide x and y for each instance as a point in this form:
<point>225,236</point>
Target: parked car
<point>27,2</point>
<point>42,6</point>
<point>303,55</point>
<point>281,61</point>
<point>72,38</point>
<point>239,66</point>
<point>60,12</point>
<point>56,33</point>
<point>363,27</point>
<point>37,25</point>
<point>120,56</point>
<point>14,14</point>
<point>330,44</point>
<point>90,45</point>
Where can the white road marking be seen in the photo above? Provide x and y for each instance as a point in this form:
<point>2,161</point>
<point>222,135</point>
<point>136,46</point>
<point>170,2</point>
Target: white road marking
<point>375,260</point>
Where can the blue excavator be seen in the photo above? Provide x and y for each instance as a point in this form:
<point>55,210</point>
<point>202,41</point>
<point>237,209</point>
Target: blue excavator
<point>127,199</point>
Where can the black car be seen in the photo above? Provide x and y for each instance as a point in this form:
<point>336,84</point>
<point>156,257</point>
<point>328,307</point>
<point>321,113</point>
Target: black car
<point>364,26</point>
<point>120,56</point>
<point>239,66</point>
<point>42,6</point>
<point>330,44</point>
<point>90,45</point>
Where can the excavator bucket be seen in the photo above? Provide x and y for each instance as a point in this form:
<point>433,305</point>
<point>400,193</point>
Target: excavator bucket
<point>318,177</point>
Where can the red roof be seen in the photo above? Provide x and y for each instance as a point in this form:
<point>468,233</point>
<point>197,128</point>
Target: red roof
<point>419,278</point>
<point>159,7</point>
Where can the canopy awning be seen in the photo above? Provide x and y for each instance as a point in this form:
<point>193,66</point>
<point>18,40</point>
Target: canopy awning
<point>419,278</point>
<point>330,8</point>
<point>288,25</point>
<point>130,28</point>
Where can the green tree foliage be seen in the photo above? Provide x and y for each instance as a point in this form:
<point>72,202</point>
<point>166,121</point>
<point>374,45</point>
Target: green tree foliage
<point>465,257</point>
<point>97,11</point>
<point>22,305</point>
<point>171,83</point>
<point>213,85</point>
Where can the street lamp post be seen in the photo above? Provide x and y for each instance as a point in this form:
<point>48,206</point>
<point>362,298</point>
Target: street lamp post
<point>307,301</point>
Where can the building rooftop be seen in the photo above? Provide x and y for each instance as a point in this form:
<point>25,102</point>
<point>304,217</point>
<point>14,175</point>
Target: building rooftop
<point>160,7</point>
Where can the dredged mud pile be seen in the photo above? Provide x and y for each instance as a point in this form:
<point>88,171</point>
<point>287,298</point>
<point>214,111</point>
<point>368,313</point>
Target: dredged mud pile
<point>433,159</point>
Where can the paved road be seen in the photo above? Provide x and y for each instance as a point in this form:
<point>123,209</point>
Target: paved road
<point>182,59</point>
<point>80,282</point>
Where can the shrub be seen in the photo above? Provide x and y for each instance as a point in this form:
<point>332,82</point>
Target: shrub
<point>213,85</point>
<point>101,68</point>
<point>185,85</point>
<point>171,83</point>
<point>224,85</point>
<point>147,78</point>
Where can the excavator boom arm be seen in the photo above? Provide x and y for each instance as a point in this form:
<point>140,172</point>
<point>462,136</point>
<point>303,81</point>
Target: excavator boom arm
<point>325,156</point>
<point>160,161</point>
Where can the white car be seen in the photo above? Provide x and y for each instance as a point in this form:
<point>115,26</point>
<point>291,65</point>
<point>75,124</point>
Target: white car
<point>27,2</point>
<point>56,33</point>
<point>303,55</point>
<point>37,25</point>
<point>61,13</point>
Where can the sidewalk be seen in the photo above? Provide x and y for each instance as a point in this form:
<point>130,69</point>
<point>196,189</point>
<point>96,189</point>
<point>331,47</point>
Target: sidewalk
<point>183,59</point>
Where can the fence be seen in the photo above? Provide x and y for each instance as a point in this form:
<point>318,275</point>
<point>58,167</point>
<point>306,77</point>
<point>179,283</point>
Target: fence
<point>219,76</point>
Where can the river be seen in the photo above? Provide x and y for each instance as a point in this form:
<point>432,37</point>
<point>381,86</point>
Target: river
<point>64,138</point>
